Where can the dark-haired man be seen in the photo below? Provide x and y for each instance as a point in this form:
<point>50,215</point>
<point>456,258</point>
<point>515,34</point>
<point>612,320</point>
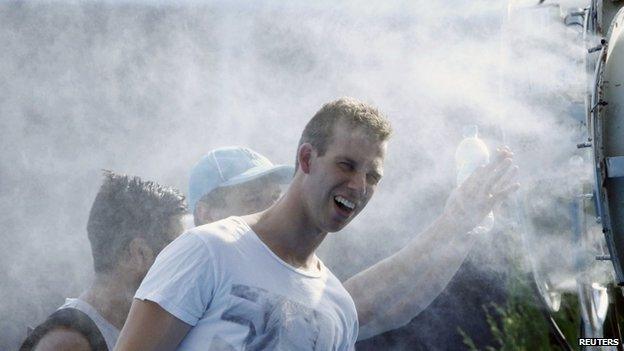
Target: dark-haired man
<point>254,282</point>
<point>130,221</point>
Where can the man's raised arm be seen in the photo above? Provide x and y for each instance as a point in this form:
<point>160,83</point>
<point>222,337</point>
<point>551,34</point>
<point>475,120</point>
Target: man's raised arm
<point>149,327</point>
<point>390,293</point>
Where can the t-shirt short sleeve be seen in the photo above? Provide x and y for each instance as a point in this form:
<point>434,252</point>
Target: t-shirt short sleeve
<point>181,280</point>
<point>354,335</point>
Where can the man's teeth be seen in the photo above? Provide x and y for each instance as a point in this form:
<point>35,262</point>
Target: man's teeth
<point>350,205</point>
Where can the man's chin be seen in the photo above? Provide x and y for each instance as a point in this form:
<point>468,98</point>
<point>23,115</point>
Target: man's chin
<point>337,225</point>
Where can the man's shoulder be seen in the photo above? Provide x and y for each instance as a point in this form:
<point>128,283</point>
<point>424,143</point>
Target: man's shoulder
<point>223,231</point>
<point>336,290</point>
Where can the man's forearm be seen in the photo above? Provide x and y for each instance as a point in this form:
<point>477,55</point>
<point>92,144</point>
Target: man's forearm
<point>390,293</point>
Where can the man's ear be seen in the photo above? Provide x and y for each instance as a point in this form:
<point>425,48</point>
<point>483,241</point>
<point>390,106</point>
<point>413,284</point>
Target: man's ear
<point>202,213</point>
<point>305,154</point>
<point>141,254</point>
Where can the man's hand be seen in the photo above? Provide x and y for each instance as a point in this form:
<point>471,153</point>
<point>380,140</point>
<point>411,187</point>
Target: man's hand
<point>482,191</point>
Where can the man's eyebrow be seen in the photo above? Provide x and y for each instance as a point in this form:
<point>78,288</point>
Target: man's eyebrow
<point>348,159</point>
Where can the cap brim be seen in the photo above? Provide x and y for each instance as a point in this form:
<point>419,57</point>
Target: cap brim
<point>283,175</point>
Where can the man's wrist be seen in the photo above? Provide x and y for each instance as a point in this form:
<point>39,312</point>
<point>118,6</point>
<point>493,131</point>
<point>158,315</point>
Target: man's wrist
<point>452,224</point>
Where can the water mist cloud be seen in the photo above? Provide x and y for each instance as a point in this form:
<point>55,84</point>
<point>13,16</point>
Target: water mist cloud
<point>147,88</point>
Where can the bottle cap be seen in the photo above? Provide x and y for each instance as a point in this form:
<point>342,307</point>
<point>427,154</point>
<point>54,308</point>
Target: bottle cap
<point>470,131</point>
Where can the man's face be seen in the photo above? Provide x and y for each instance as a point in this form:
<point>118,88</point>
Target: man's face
<point>243,199</point>
<point>342,181</point>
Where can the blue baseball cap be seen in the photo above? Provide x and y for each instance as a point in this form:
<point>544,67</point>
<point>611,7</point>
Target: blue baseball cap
<point>229,166</point>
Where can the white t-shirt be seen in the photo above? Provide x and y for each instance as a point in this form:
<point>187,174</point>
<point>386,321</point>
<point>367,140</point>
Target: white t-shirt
<point>237,294</point>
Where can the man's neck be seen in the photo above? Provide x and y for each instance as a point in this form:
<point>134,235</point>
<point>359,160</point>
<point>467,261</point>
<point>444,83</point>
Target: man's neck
<point>285,229</point>
<point>110,297</point>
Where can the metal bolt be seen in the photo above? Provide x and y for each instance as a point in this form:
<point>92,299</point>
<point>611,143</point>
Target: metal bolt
<point>603,258</point>
<point>603,42</point>
<point>594,49</point>
<point>599,103</point>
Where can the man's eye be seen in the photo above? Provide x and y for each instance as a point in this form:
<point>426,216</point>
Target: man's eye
<point>372,179</point>
<point>345,166</point>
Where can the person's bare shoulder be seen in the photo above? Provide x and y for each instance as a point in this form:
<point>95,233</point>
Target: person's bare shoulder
<point>63,339</point>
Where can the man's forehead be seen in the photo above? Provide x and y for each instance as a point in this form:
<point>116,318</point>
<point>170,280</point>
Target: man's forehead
<point>358,140</point>
<point>344,130</point>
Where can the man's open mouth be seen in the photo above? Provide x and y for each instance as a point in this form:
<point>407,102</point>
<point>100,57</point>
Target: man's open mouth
<point>343,204</point>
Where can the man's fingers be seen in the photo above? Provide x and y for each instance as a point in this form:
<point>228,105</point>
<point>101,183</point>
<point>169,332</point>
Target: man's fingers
<point>503,152</point>
<point>480,176</point>
<point>501,156</point>
<point>498,170</point>
<point>505,180</point>
<point>503,194</point>
<point>489,179</point>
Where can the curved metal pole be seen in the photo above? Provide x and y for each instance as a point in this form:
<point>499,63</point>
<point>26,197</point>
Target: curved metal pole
<point>554,328</point>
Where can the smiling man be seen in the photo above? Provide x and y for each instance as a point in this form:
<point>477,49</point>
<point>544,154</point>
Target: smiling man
<point>255,283</point>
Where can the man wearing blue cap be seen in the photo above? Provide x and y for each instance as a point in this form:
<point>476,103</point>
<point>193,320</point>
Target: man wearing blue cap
<point>255,283</point>
<point>234,181</point>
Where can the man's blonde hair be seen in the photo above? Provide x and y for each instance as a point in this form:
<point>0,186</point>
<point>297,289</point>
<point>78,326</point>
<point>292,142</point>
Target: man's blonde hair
<point>320,129</point>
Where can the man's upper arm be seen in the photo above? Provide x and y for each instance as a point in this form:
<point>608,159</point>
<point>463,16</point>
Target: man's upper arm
<point>181,280</point>
<point>63,338</point>
<point>172,297</point>
<point>150,327</point>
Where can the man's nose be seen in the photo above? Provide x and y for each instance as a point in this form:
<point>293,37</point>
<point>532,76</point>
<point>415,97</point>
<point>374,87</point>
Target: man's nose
<point>357,183</point>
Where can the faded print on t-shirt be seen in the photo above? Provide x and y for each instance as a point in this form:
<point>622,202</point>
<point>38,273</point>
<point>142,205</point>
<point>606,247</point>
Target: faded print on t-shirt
<point>275,322</point>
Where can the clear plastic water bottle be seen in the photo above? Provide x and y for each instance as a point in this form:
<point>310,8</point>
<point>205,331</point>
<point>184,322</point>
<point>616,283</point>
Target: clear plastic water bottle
<point>472,153</point>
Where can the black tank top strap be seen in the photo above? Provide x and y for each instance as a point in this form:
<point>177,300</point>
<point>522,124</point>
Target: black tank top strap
<point>67,318</point>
